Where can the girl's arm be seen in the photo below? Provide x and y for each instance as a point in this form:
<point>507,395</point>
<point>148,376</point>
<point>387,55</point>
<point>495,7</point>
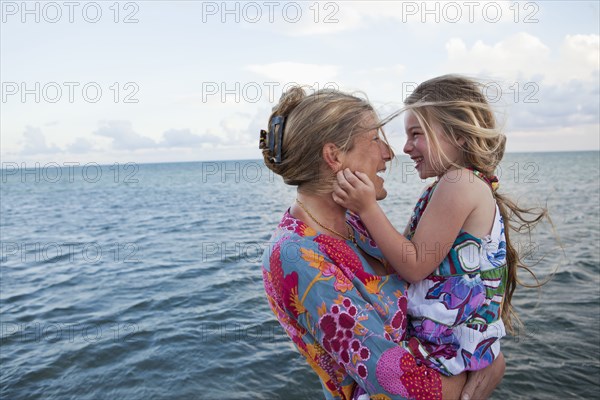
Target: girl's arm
<point>451,204</point>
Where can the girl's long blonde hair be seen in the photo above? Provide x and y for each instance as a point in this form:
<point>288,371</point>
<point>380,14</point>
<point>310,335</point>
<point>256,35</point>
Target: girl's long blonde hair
<point>458,105</point>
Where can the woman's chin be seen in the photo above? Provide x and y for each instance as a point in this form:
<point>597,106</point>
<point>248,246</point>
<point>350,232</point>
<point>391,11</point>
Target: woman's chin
<point>381,194</point>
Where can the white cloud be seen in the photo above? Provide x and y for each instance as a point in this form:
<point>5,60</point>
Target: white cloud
<point>579,58</point>
<point>567,138</point>
<point>236,127</point>
<point>518,56</point>
<point>444,13</point>
<point>314,18</point>
<point>540,87</point>
<point>329,18</point>
<point>205,107</point>
<point>397,70</point>
<point>35,143</point>
<point>380,84</point>
<point>524,56</point>
<point>185,138</point>
<point>550,108</point>
<point>239,129</point>
<point>123,137</point>
<point>291,72</point>
<point>80,145</point>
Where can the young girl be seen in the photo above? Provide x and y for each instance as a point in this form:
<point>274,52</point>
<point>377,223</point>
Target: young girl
<point>455,251</point>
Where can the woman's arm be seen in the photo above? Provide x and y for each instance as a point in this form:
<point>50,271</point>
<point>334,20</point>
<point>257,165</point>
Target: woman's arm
<point>336,319</point>
<point>480,384</point>
<point>452,386</point>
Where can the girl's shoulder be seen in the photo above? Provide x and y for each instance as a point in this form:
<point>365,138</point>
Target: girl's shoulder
<point>461,189</point>
<point>464,182</point>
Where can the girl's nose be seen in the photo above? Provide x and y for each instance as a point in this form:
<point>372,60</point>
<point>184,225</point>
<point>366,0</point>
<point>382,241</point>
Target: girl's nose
<point>407,146</point>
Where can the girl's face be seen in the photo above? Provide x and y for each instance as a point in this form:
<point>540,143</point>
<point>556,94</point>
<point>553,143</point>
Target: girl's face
<point>429,159</point>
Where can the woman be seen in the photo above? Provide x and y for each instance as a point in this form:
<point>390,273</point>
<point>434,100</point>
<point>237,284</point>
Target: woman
<point>325,279</point>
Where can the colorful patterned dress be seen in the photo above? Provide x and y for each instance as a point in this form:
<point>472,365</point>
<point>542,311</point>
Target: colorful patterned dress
<point>455,312</point>
<point>348,322</point>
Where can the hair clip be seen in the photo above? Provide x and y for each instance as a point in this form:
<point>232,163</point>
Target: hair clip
<point>275,137</point>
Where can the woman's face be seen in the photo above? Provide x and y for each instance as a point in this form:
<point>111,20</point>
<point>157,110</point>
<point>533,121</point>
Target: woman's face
<point>370,155</point>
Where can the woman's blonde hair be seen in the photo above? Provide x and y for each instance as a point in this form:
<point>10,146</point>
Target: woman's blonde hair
<point>311,121</point>
<point>457,104</point>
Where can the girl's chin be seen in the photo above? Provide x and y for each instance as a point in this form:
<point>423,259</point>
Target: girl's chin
<point>426,171</point>
<point>427,174</point>
<point>421,172</point>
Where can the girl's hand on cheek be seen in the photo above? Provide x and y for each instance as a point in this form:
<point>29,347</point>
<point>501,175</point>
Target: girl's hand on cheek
<point>354,191</point>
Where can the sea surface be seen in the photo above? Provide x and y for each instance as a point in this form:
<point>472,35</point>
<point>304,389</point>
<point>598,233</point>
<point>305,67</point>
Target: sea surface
<point>131,281</point>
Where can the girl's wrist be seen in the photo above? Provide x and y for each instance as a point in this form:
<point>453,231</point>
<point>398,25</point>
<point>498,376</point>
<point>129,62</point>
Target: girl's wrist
<point>368,210</point>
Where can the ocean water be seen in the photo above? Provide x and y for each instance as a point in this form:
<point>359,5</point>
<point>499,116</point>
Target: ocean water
<point>143,281</point>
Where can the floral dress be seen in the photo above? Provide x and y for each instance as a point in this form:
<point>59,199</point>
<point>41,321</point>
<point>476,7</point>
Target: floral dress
<point>348,322</point>
<point>455,312</point>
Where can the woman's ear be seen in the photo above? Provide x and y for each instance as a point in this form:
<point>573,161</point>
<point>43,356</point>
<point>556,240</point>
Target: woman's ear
<point>333,156</point>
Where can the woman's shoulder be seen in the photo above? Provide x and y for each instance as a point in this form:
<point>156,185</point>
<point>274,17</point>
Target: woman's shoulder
<point>291,232</point>
<point>295,244</point>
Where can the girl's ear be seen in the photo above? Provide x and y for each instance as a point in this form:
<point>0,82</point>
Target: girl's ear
<point>461,141</point>
<point>333,156</point>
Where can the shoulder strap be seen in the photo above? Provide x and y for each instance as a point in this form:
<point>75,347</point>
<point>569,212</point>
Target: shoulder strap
<point>420,208</point>
<point>491,181</point>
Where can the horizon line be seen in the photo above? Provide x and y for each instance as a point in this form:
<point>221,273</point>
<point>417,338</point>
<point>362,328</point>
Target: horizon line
<point>104,164</point>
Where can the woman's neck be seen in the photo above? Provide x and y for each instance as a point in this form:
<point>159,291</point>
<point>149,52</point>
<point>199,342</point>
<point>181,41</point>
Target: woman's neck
<point>312,208</point>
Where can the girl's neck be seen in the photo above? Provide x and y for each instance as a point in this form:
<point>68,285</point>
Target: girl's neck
<point>452,168</point>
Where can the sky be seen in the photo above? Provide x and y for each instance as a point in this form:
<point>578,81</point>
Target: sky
<point>172,81</point>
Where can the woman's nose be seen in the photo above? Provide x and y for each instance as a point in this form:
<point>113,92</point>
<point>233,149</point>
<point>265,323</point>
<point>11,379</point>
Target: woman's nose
<point>386,152</point>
